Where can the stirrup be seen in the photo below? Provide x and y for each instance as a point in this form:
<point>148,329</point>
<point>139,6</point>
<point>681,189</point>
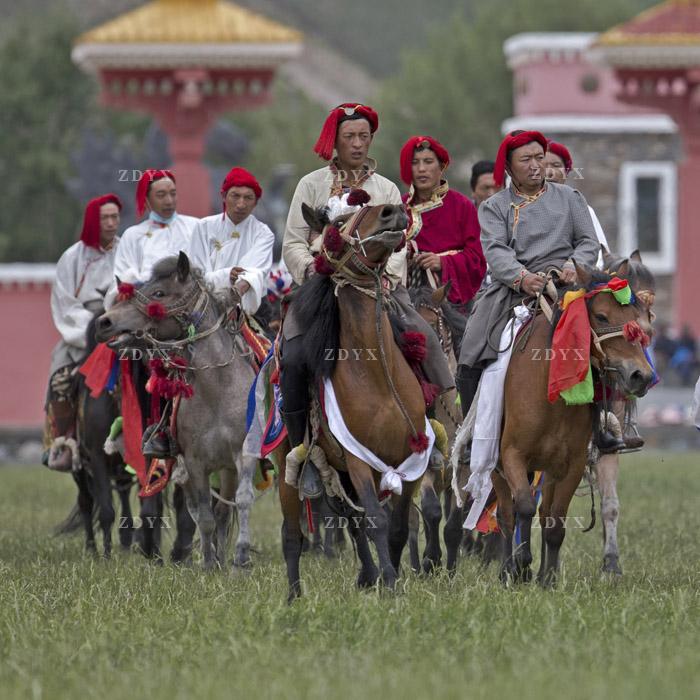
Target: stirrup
<point>158,443</point>
<point>310,485</point>
<point>607,443</point>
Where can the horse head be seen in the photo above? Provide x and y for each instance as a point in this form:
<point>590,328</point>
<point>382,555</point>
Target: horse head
<point>359,240</point>
<point>430,305</point>
<point>641,280</point>
<point>618,338</point>
<point>164,307</point>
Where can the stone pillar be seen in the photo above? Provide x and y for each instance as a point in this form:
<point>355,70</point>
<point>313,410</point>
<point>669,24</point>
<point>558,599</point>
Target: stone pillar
<point>686,284</point>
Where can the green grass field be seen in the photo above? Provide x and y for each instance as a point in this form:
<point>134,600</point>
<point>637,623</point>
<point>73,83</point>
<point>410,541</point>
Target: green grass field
<point>76,627</point>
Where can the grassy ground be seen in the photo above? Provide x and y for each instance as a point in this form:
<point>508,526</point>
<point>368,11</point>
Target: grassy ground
<point>75,627</point>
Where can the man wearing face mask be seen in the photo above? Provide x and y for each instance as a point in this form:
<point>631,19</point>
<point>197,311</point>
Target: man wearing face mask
<point>162,233</point>
<point>530,227</point>
<point>443,232</point>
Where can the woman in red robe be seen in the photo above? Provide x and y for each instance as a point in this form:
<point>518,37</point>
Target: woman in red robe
<point>443,230</point>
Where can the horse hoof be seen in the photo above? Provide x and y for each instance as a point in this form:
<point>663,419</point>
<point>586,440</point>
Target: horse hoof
<point>611,565</point>
<point>367,579</point>
<point>431,566</point>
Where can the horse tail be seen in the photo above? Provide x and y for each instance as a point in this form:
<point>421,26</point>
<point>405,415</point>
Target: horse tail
<point>316,309</point>
<point>73,522</point>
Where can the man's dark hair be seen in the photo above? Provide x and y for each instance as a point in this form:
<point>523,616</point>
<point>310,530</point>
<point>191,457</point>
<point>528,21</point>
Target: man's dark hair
<point>478,169</point>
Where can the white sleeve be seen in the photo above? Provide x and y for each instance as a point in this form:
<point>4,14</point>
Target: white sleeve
<point>198,252</point>
<point>256,262</point>
<point>396,267</point>
<point>69,315</point>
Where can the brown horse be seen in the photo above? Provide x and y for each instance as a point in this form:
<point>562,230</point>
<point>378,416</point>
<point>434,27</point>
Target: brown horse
<point>553,437</point>
<point>378,395</point>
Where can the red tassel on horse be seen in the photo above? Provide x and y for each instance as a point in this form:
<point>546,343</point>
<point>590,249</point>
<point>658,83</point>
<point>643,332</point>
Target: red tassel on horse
<point>333,241</point>
<point>358,197</point>
<point>156,310</point>
<point>413,346</point>
<point>419,442</point>
<point>322,266</point>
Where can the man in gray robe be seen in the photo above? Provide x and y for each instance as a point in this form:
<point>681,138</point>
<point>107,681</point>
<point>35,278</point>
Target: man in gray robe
<point>530,227</point>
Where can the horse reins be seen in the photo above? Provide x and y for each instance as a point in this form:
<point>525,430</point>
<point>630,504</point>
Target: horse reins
<point>367,268</point>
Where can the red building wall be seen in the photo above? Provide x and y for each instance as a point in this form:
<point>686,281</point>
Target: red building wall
<point>28,336</point>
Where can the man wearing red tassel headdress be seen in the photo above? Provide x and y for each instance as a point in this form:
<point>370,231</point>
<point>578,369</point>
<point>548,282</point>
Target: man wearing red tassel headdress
<point>528,228</point>
<point>164,232</point>
<point>348,130</point>
<point>83,275</point>
<point>235,250</point>
<point>443,232</point>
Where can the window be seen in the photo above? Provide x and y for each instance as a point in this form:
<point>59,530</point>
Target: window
<point>647,213</point>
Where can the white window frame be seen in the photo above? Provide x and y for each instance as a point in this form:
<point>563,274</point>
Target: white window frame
<point>666,171</point>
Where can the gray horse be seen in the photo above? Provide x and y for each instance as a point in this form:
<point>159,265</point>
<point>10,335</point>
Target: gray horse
<point>211,425</point>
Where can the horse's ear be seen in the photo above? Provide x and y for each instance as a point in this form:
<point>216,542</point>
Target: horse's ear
<point>183,267</point>
<point>623,269</point>
<point>315,218</point>
<point>636,256</point>
<point>583,274</point>
<point>440,294</point>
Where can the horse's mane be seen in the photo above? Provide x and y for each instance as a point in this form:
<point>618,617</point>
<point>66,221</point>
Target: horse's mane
<point>597,277</point>
<point>316,309</point>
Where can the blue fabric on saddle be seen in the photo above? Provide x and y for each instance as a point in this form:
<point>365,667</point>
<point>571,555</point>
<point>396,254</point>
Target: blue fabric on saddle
<point>264,423</point>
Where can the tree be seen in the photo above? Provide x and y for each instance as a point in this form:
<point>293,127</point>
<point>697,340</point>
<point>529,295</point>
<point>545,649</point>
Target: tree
<point>459,89</point>
<point>43,104</point>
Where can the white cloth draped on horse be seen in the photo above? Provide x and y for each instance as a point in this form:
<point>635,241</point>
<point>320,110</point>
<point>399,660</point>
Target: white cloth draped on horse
<point>412,468</point>
<point>483,423</point>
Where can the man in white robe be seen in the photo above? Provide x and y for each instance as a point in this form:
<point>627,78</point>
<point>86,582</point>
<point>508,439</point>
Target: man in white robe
<point>558,164</point>
<point>83,274</point>
<point>235,249</point>
<point>164,232</point>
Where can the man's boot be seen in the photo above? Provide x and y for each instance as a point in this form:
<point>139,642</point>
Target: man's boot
<point>310,484</point>
<point>158,442</point>
<point>63,419</point>
<point>603,438</point>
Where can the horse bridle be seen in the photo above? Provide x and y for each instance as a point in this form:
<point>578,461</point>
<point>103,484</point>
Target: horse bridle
<point>356,253</point>
<point>442,329</point>
<point>183,311</point>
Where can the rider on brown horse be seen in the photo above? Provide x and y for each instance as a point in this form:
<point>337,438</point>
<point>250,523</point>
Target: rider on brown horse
<point>348,130</point>
<point>527,230</point>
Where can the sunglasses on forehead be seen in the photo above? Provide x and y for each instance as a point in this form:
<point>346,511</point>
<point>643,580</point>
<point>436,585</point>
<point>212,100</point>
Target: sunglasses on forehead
<point>349,111</point>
